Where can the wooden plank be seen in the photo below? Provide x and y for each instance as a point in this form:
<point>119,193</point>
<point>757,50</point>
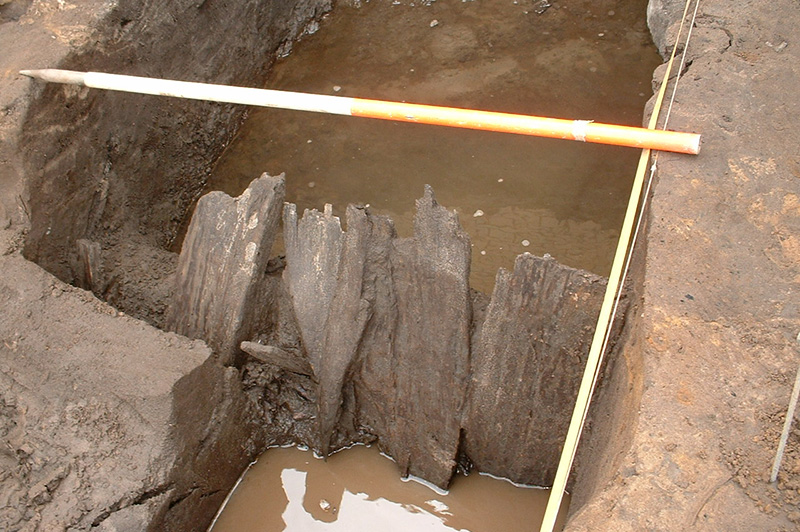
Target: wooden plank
<point>386,323</point>
<point>282,358</point>
<point>347,317</point>
<point>417,414</point>
<point>90,274</point>
<point>526,367</point>
<point>313,252</point>
<point>222,264</point>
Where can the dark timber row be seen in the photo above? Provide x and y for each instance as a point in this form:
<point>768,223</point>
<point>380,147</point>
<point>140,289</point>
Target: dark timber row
<point>385,329</point>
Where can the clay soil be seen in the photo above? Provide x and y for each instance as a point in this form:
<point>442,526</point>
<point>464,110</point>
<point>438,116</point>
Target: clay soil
<point>719,321</point>
<point>710,365</point>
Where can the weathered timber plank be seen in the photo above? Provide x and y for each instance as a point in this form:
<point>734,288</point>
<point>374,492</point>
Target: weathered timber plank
<point>526,367</point>
<point>222,263</point>
<point>90,275</point>
<point>374,374</point>
<point>313,253</point>
<point>347,317</point>
<point>283,358</point>
<point>430,353</point>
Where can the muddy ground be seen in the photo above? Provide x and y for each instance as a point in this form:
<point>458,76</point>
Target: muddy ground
<point>720,316</point>
<point>88,440</point>
<point>709,368</point>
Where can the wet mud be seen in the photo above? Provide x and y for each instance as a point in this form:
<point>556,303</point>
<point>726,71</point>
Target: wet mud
<point>579,60</point>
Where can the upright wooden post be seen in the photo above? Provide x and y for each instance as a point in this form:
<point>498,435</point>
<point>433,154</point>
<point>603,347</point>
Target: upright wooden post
<point>222,265</point>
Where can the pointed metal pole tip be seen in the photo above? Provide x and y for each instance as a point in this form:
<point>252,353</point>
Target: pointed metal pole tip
<point>55,76</point>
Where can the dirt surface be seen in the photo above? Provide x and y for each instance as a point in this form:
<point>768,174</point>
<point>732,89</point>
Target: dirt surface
<point>720,302</point>
<point>73,439</point>
<point>588,59</point>
<point>107,423</point>
<point>712,358</point>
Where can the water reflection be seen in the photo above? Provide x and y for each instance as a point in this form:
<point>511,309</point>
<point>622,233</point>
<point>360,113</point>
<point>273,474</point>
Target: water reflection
<point>359,489</point>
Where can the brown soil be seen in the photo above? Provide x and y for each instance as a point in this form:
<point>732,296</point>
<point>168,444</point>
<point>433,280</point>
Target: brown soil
<point>579,59</point>
<point>107,423</point>
<point>719,316</point>
<point>712,358</point>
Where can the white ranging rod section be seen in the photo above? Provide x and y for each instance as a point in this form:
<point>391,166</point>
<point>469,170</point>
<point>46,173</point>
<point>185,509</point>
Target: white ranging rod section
<point>296,101</point>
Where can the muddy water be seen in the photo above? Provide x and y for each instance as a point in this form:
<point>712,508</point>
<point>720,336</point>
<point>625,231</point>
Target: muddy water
<point>576,59</point>
<point>358,489</point>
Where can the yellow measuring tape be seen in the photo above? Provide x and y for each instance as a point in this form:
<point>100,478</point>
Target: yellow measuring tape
<point>599,341</point>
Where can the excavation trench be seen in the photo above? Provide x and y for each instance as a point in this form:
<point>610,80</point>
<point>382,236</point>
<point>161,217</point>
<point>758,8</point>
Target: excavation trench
<point>362,331</point>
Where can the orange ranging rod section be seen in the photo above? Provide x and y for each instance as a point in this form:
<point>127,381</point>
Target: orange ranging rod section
<point>557,128</point>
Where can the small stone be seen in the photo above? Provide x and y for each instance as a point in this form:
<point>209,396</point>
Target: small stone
<point>478,214</point>
<point>434,23</point>
<point>601,34</point>
<point>526,243</point>
<point>483,252</point>
<point>611,13</point>
<point>325,505</point>
<point>311,184</point>
<point>541,6</point>
<point>309,141</point>
<point>336,88</point>
<point>500,180</point>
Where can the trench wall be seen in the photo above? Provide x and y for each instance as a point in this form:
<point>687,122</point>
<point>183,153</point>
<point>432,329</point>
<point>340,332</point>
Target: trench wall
<point>107,423</point>
<point>110,166</point>
<point>719,317</point>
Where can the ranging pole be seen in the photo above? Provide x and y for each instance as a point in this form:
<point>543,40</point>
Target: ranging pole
<point>619,269</point>
<point>580,130</point>
<point>787,426</point>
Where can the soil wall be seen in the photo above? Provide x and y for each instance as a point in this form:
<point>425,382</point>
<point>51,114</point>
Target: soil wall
<point>106,422</point>
<point>718,317</point>
<point>121,170</point>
